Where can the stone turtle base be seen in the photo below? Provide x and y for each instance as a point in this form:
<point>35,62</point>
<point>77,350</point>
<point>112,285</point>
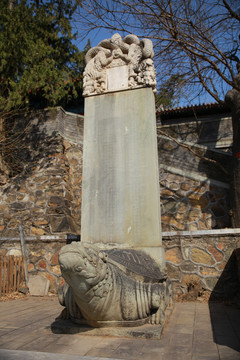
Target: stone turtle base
<point>146,331</point>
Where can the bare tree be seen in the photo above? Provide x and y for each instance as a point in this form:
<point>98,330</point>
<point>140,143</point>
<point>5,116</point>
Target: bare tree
<point>195,38</point>
<point>198,39</point>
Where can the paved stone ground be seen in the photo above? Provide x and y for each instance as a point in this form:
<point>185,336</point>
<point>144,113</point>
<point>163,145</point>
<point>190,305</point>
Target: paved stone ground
<point>195,331</point>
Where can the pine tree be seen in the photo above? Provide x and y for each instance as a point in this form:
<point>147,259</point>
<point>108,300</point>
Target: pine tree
<point>38,58</point>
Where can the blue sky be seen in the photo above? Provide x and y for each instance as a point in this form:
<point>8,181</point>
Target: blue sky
<point>95,37</point>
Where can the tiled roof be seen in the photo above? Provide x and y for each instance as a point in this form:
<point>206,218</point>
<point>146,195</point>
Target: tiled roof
<point>191,110</point>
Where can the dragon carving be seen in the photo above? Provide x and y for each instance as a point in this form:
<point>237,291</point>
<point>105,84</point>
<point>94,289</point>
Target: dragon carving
<point>131,51</point>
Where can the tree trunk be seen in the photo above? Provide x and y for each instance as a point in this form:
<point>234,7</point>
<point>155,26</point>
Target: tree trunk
<point>233,100</point>
<point>235,194</point>
<point>3,167</point>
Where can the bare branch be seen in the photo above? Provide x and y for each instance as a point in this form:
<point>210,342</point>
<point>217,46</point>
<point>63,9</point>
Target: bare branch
<point>189,148</point>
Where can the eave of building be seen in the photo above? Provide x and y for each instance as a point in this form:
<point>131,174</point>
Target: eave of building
<point>193,111</point>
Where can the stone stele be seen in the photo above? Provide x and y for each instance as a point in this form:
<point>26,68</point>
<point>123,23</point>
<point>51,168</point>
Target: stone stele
<point>117,273</point>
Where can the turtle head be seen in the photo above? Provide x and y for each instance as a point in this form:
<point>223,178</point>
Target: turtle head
<point>81,264</point>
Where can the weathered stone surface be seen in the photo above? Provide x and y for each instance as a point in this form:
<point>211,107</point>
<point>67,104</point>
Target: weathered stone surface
<point>194,215</point>
<point>37,231</point>
<point>39,222</point>
<point>55,201</point>
<point>173,271</point>
<point>188,266</point>
<point>4,208</point>
<point>53,286</point>
<point>166,192</point>
<point>14,252</point>
<point>177,224</point>
<point>200,256</point>
<point>174,186</point>
<point>55,269</point>
<point>54,259</point>
<point>41,264</point>
<point>41,203</point>
<point>30,267</point>
<point>106,292</point>
<point>62,223</point>
<point>216,253</point>
<point>193,226</point>
<point>108,68</point>
<point>38,285</point>
<point>208,271</point>
<point>17,206</point>
<point>174,255</point>
<point>211,282</point>
<point>170,206</point>
<point>120,170</point>
<point>186,186</point>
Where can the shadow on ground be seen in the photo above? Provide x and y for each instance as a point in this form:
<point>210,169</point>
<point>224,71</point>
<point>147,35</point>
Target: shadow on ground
<point>224,305</point>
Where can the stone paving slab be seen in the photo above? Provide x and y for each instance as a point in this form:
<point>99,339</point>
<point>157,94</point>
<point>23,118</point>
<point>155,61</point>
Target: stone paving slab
<point>31,355</point>
<point>195,331</point>
<point>146,331</point>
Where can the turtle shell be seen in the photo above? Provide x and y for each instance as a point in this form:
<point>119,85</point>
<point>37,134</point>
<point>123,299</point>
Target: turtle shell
<point>136,263</point>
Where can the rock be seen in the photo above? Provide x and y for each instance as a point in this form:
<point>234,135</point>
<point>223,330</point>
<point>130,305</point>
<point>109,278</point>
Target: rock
<point>62,223</point>
<point>38,285</point>
<point>211,282</point>
<point>41,264</point>
<point>200,256</point>
<point>174,255</point>
<point>17,206</point>
<point>53,282</point>
<point>40,221</point>
<point>30,267</point>
<point>37,231</point>
<point>173,271</point>
<point>188,266</point>
<point>23,290</point>
<point>54,259</point>
<point>216,253</point>
<point>14,252</point>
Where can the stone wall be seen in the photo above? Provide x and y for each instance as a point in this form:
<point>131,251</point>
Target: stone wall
<point>203,260</point>
<point>195,173</point>
<point>45,195</point>
<point>42,252</point>
<point>213,130</point>
<point>197,262</point>
<point>192,204</point>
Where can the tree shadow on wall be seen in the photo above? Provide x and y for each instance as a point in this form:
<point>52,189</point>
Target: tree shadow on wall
<point>26,143</point>
<point>224,307</point>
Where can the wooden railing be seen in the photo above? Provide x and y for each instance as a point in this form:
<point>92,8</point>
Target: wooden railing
<point>11,273</point>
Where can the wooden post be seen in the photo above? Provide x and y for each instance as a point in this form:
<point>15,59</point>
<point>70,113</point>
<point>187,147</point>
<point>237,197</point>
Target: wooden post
<point>1,277</point>
<point>4,274</point>
<point>24,252</point>
<point>15,274</point>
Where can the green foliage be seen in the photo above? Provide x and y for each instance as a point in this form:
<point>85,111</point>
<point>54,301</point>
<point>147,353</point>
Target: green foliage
<point>39,61</point>
<point>169,93</point>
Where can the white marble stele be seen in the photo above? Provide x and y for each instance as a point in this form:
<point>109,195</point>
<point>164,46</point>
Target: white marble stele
<point>120,189</point>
